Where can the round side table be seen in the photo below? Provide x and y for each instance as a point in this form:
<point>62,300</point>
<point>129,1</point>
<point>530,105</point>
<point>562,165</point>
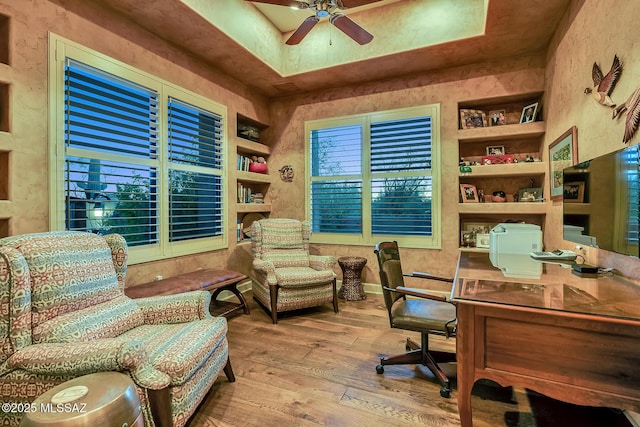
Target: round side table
<point>351,288</point>
<point>103,398</point>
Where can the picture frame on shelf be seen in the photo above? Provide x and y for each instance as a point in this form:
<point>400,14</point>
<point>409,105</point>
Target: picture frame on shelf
<point>533,194</point>
<point>573,192</point>
<point>478,227</point>
<point>495,150</point>
<point>470,119</point>
<point>482,240</point>
<point>529,113</point>
<point>249,132</point>
<point>563,152</point>
<point>469,193</point>
<point>497,118</point>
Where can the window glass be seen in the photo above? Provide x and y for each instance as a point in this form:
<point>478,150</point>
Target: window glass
<point>135,156</point>
<point>375,176</point>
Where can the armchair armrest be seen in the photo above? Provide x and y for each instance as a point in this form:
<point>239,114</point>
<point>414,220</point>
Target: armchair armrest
<point>72,358</point>
<point>322,262</point>
<point>418,293</point>
<point>422,275</point>
<point>266,269</point>
<point>178,308</point>
<point>82,358</point>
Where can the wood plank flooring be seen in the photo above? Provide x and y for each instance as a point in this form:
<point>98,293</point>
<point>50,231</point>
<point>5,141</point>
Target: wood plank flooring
<point>317,368</point>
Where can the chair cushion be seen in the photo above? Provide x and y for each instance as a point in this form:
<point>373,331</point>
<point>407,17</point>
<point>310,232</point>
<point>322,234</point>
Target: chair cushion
<point>180,349</point>
<point>289,277</point>
<point>281,234</point>
<point>105,320</point>
<point>420,314</point>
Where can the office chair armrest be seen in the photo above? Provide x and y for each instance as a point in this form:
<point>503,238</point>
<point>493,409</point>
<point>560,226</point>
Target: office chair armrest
<point>418,293</point>
<point>422,275</point>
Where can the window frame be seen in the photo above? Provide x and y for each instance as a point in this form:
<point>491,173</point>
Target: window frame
<point>364,120</point>
<point>59,50</point>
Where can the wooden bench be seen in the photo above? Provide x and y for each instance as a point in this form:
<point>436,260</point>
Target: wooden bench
<point>211,280</point>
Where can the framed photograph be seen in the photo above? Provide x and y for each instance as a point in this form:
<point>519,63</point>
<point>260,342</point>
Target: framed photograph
<point>482,240</point>
<point>469,193</point>
<point>478,227</point>
<point>573,192</point>
<point>497,118</point>
<point>472,118</point>
<point>530,195</point>
<point>563,152</point>
<point>529,113</point>
<point>495,150</point>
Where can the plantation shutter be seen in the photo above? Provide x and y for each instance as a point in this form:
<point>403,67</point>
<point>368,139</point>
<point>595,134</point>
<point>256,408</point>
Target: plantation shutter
<point>631,167</point>
<point>401,182</point>
<point>195,172</point>
<point>111,151</point>
<point>336,175</point>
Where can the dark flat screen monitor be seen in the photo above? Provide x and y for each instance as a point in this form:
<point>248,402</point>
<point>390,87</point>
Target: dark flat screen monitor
<point>600,202</point>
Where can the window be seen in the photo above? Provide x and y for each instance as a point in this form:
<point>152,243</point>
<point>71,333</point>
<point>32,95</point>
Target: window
<point>374,177</point>
<point>136,156</point>
<point>628,197</point>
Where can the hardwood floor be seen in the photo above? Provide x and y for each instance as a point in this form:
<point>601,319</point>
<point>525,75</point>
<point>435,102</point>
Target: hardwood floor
<point>317,367</point>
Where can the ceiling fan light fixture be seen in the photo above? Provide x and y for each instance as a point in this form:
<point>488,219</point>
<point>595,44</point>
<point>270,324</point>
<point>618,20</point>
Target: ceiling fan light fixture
<point>324,9</point>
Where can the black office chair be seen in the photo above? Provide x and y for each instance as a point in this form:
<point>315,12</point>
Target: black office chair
<point>427,314</point>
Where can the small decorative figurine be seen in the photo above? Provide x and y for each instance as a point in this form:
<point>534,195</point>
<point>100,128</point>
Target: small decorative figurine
<point>258,165</point>
<point>603,85</point>
<point>632,107</point>
<point>286,173</point>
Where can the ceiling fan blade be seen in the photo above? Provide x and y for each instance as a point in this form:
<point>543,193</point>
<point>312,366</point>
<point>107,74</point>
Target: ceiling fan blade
<point>289,3</point>
<point>304,28</point>
<point>350,28</point>
<point>348,4</point>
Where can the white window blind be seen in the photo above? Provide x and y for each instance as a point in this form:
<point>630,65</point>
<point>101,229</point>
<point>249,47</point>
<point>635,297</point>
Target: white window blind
<point>336,188</point>
<point>372,177</point>
<point>134,155</point>
<point>108,118</point>
<point>631,161</point>
<point>401,177</point>
<point>195,158</point>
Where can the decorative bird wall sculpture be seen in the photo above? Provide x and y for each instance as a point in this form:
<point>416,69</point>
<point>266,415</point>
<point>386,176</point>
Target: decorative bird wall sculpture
<point>632,107</point>
<point>603,85</point>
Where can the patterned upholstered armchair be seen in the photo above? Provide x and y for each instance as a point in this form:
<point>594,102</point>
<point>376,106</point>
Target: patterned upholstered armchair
<point>286,277</point>
<point>63,314</point>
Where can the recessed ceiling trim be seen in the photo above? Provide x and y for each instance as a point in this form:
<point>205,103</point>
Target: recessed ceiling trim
<point>403,26</point>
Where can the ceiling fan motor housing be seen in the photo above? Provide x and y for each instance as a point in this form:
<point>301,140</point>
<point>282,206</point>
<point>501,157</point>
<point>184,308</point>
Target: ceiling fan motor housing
<point>324,8</point>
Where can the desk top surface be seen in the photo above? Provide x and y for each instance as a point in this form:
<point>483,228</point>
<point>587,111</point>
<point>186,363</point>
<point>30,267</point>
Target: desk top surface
<point>518,280</point>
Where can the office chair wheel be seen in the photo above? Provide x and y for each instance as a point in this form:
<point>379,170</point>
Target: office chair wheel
<point>380,369</point>
<point>445,392</point>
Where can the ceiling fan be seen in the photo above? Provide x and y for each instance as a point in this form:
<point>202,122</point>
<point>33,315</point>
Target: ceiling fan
<point>324,9</point>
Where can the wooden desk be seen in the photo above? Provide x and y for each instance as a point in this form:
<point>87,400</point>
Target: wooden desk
<point>570,338</point>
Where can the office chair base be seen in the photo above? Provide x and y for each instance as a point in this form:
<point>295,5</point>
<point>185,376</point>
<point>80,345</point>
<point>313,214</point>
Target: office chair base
<point>417,356</point>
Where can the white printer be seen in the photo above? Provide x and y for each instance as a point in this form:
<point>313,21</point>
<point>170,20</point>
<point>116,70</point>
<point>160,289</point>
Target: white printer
<point>515,238</point>
<point>510,246</point>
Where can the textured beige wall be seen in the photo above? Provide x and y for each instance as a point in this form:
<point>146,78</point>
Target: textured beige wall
<point>447,88</point>
<point>31,20</point>
<point>593,31</point>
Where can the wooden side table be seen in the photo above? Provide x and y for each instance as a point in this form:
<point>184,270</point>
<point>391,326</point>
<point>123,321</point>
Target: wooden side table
<point>351,288</point>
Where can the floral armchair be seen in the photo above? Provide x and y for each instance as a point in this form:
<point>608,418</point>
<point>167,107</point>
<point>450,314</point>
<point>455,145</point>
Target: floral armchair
<point>63,314</point>
<point>286,277</point>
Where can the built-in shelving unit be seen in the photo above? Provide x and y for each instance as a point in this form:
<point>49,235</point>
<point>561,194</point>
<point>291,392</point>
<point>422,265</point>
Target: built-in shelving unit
<point>251,143</point>
<point>5,126</point>
<point>520,169</point>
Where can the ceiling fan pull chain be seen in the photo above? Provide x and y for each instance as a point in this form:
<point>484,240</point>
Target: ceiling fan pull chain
<point>330,35</point>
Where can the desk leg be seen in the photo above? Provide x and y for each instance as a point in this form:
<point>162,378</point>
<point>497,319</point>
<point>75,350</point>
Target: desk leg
<point>466,362</point>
